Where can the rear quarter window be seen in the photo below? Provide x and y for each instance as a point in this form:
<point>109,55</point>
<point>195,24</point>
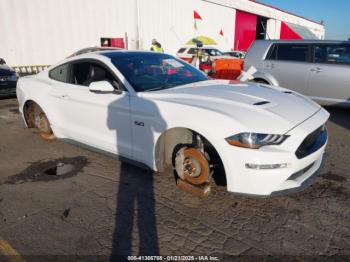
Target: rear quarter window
<point>181,50</point>
<point>272,53</point>
<point>60,73</point>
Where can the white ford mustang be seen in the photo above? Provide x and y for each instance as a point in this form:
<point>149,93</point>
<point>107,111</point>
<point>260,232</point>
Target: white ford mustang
<point>157,111</point>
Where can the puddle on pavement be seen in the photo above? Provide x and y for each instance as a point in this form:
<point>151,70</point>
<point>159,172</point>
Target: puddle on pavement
<point>45,171</point>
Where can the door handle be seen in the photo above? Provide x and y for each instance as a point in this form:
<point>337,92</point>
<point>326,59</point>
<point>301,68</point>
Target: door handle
<point>316,70</point>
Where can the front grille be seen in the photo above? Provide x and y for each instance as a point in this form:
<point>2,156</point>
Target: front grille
<point>312,142</point>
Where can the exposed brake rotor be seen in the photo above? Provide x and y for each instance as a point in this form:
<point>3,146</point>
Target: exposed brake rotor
<point>192,166</point>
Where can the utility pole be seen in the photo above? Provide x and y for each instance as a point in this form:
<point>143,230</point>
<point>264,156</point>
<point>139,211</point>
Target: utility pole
<point>137,29</point>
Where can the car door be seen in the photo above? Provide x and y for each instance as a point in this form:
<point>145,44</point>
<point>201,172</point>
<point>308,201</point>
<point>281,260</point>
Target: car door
<point>100,120</point>
<point>289,65</point>
<point>329,81</point>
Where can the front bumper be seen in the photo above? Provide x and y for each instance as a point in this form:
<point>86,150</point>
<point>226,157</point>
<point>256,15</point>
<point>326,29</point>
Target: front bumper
<point>7,88</point>
<point>265,182</point>
<point>305,183</point>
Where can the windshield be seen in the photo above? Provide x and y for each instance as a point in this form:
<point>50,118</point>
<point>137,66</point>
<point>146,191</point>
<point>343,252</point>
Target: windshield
<point>213,52</point>
<point>155,71</point>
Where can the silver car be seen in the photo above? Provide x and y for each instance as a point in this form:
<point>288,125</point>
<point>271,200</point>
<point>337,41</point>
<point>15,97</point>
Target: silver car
<point>318,69</point>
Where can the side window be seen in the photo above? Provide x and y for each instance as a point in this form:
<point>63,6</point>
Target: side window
<point>191,51</point>
<point>60,73</point>
<point>212,52</point>
<point>181,50</point>
<point>292,52</point>
<point>84,73</point>
<point>80,73</point>
<point>332,53</point>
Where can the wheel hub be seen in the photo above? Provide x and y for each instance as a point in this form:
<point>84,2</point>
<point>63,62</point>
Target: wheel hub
<point>191,167</point>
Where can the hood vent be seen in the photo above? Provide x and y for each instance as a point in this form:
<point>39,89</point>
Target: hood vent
<point>261,103</point>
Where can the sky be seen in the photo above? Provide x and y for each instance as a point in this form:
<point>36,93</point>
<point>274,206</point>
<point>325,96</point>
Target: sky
<point>334,13</point>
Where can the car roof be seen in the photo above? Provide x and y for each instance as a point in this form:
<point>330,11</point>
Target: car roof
<point>97,48</point>
<point>123,53</point>
<point>204,46</point>
<point>93,49</point>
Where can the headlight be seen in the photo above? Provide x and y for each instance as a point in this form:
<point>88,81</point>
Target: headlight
<point>255,141</point>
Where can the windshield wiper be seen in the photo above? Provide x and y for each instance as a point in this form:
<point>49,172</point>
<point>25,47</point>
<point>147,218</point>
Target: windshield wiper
<point>153,89</point>
<point>173,85</point>
<point>159,88</point>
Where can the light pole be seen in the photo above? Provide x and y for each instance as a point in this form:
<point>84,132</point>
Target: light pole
<point>137,29</point>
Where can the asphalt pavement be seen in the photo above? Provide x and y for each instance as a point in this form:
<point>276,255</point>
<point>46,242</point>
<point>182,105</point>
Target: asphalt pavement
<point>100,206</point>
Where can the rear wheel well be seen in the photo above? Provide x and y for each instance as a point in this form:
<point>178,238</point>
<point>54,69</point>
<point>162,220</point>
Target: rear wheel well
<point>174,139</point>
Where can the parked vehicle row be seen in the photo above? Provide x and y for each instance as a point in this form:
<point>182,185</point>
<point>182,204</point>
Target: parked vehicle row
<point>158,111</point>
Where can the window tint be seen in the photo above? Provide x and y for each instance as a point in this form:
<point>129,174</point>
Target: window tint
<point>84,73</point>
<point>292,52</point>
<point>181,50</point>
<point>332,53</point>
<point>60,73</point>
<point>289,52</point>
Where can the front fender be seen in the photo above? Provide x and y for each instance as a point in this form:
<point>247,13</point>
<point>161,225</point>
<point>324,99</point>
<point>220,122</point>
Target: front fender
<point>214,127</point>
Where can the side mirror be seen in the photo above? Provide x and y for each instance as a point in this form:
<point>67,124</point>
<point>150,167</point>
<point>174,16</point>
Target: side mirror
<point>2,61</point>
<point>101,87</point>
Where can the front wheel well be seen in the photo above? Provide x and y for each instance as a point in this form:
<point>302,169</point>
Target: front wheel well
<point>174,139</point>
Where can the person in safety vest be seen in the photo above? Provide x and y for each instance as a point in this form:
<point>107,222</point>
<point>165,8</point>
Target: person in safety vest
<point>156,46</point>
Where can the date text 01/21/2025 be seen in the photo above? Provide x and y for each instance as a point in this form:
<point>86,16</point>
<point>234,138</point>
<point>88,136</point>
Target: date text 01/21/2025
<point>173,258</point>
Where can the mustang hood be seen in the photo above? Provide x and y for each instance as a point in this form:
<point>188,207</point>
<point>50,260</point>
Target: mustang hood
<point>260,108</point>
